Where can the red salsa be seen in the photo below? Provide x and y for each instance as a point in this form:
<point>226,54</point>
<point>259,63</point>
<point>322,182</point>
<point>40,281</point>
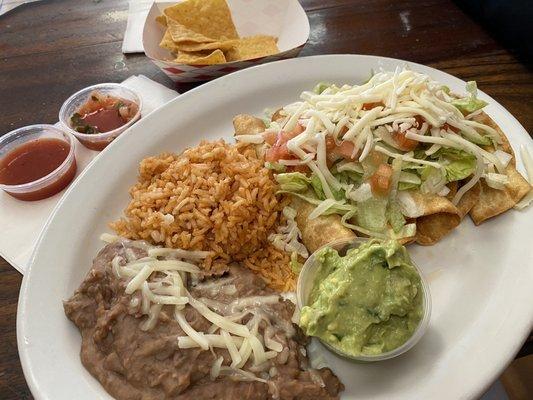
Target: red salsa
<point>34,160</point>
<point>102,113</point>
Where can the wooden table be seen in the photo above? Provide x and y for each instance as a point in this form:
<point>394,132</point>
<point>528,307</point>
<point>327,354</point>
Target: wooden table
<point>52,48</point>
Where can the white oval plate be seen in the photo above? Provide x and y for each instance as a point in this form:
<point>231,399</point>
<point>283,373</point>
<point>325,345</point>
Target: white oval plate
<point>480,277</point>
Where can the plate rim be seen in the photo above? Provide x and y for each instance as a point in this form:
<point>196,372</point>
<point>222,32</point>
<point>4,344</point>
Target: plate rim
<point>23,348</point>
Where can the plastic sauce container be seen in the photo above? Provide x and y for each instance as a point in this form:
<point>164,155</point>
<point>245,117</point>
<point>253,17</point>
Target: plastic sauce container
<point>36,162</point>
<point>305,284</point>
<point>97,141</point>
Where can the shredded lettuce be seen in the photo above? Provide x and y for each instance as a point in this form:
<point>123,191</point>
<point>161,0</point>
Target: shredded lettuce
<point>407,231</point>
<point>293,181</point>
<point>361,193</point>
<point>320,87</point>
<point>275,166</point>
<point>407,186</point>
<point>410,177</point>
<point>339,207</point>
<point>458,163</point>
<point>419,153</point>
<point>316,185</point>
<point>348,166</point>
<point>349,177</point>
<point>395,216</point>
<point>434,179</point>
<point>267,116</point>
<point>478,139</point>
<point>296,266</point>
<point>372,73</point>
<point>372,214</point>
<point>470,103</point>
<point>349,216</point>
<point>496,181</point>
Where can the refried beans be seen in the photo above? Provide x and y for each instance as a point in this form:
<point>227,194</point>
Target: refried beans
<point>132,363</point>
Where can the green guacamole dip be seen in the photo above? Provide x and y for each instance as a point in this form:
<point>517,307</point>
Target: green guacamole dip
<point>366,303</point>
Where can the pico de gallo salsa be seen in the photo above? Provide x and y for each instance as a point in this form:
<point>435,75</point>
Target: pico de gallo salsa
<point>103,113</point>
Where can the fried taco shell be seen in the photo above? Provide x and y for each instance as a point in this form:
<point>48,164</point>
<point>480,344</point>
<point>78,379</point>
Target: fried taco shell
<point>245,124</point>
<point>319,231</point>
<point>435,215</point>
<point>469,199</point>
<point>492,202</point>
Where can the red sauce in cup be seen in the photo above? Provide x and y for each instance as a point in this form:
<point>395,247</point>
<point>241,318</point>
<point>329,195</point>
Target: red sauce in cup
<point>103,120</point>
<point>33,160</point>
<point>102,113</point>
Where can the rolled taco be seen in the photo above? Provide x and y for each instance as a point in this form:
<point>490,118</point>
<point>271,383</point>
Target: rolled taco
<point>319,231</point>
<point>407,163</point>
<point>492,202</point>
<point>435,215</point>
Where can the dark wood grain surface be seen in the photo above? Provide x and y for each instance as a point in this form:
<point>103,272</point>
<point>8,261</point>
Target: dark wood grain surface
<point>52,48</point>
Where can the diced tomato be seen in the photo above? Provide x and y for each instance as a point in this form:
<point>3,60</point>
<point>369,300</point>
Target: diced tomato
<point>279,150</point>
<point>370,106</point>
<point>376,158</point>
<point>276,153</point>
<point>380,181</point>
<point>304,169</point>
<point>270,137</point>
<point>284,137</point>
<point>344,150</point>
<point>403,142</point>
<point>419,121</point>
<point>448,127</point>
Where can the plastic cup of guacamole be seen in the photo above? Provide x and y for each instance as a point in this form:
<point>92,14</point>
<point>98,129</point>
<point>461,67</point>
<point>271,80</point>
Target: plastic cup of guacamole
<point>364,299</point>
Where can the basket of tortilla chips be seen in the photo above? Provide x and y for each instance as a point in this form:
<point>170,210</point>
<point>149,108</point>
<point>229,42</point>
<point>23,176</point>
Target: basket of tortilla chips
<point>198,40</point>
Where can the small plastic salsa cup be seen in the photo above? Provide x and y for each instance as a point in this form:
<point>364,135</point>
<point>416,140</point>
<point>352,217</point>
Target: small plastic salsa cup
<point>97,141</point>
<point>33,149</point>
<point>305,284</point>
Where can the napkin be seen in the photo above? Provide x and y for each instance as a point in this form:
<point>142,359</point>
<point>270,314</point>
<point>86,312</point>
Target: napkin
<point>6,5</point>
<point>23,221</point>
<point>133,37</point>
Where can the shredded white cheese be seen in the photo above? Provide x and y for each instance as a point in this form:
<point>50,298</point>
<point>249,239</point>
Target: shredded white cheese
<point>369,117</point>
<point>162,283</point>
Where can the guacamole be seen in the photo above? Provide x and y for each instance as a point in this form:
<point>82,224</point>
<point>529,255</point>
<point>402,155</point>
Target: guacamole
<point>367,302</point>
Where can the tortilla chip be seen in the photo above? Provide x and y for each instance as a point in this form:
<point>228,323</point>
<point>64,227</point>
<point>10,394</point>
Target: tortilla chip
<point>168,43</point>
<point>210,18</point>
<point>253,47</point>
<point>319,231</point>
<point>195,46</point>
<point>200,57</point>
<point>161,19</point>
<point>180,33</point>
<point>245,124</point>
<point>493,202</point>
